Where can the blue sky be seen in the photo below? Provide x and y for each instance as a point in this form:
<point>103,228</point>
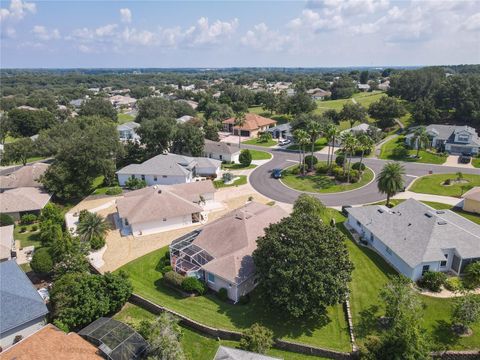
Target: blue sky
<point>238,33</point>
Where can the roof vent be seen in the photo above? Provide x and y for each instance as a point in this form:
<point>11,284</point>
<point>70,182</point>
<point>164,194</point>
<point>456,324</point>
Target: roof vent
<point>428,215</point>
<point>159,191</point>
<point>442,223</point>
<point>440,212</point>
<point>380,211</point>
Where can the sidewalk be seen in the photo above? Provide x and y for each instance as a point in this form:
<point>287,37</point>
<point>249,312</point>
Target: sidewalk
<point>427,197</point>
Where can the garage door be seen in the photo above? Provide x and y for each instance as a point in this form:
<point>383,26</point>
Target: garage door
<point>460,150</point>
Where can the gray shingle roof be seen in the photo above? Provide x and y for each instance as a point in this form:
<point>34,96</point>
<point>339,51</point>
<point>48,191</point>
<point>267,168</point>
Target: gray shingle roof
<point>131,125</point>
<point>218,147</point>
<point>447,133</point>
<point>19,301</point>
<point>417,233</point>
<point>228,353</point>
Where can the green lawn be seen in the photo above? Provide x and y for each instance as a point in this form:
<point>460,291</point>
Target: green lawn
<point>257,142</point>
<point>238,166</point>
<point>330,332</point>
<point>319,145</point>
<point>242,180</point>
<point>280,118</point>
<point>433,184</point>
<point>27,238</point>
<point>476,162</point>
<point>321,183</point>
<point>426,157</point>
<point>123,118</point>
<point>196,345</point>
<point>260,155</point>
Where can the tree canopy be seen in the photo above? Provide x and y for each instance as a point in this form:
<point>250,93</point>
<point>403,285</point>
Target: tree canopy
<point>98,107</point>
<point>24,123</point>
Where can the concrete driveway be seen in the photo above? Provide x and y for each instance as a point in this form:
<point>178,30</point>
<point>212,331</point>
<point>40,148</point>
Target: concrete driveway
<point>452,160</point>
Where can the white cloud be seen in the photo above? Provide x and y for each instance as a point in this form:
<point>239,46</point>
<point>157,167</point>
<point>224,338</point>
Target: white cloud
<point>126,15</point>
<point>139,37</point>
<point>42,33</point>
<point>17,10</point>
<point>204,33</point>
<point>316,21</point>
<point>472,23</point>
<point>262,38</point>
<point>87,34</point>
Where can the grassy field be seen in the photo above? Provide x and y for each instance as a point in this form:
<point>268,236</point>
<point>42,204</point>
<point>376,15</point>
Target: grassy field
<point>197,346</point>
<point>242,180</point>
<point>319,145</point>
<point>476,162</point>
<point>433,184</point>
<point>280,118</point>
<point>260,155</point>
<point>257,142</point>
<point>329,332</point>
<point>123,118</point>
<point>425,156</point>
<point>28,238</point>
<point>322,183</point>
<point>238,166</point>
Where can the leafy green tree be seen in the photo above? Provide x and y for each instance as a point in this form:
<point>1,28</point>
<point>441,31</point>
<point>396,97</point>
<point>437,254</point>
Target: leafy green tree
<point>364,143</point>
<point>50,232</point>
<point>466,312</point>
<point>353,113</point>
<point>25,123</point>
<point>157,134</point>
<point>98,107</point>
<point>364,77</point>
<point>302,139</point>
<point>349,144</point>
<point>425,112</point>
<point>91,226</point>
<point>472,275</point>
<point>135,184</point>
<point>314,129</point>
<point>420,139</point>
<point>306,204</point>
<point>19,151</point>
<point>265,137</point>
<point>342,88</point>
<point>6,220</point>
<point>269,101</point>
<point>385,111</point>
<point>390,180</point>
<point>287,260</point>
<point>300,103</point>
<point>52,212</point>
<point>245,157</point>
<point>4,128</point>
<point>182,108</point>
<point>415,84</point>
<point>118,289</point>
<point>257,338</point>
<point>188,140</point>
<point>211,132</point>
<point>331,133</point>
<point>154,107</point>
<point>131,152</point>
<point>240,121</point>
<point>42,262</point>
<point>164,338</point>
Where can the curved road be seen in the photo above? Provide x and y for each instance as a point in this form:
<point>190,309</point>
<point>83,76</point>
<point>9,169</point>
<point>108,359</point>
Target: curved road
<point>262,181</point>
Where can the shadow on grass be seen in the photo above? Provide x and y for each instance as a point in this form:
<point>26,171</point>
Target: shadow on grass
<point>368,323</point>
<point>443,335</point>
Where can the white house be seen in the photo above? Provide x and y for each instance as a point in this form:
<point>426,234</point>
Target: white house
<point>162,208</point>
<point>128,131</point>
<point>221,151</point>
<point>450,138</point>
<point>220,253</point>
<point>169,169</point>
<point>414,238</point>
<point>7,243</point>
<point>22,309</point>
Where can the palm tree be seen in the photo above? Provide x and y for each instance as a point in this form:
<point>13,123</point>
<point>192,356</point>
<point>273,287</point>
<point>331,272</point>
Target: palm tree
<point>350,143</point>
<point>329,133</point>
<point>314,129</point>
<point>301,138</point>
<point>390,180</point>
<point>421,138</point>
<point>91,226</point>
<point>365,143</point>
<point>240,120</point>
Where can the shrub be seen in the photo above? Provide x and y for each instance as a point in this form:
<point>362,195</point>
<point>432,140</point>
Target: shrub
<point>42,262</point>
<point>167,256</point>
<point>453,284</point>
<point>322,168</point>
<point>244,299</point>
<point>245,157</point>
<point>134,184</point>
<point>173,278</point>
<point>226,177</point>
<point>192,284</point>
<point>340,160</point>
<point>432,280</point>
<point>116,190</point>
<point>466,311</point>
<point>472,275</point>
<point>166,269</point>
<point>82,215</point>
<point>354,176</point>
<point>23,229</point>
<point>310,160</point>
<point>97,242</point>
<point>6,220</point>
<point>223,294</point>
<point>447,182</point>
<point>34,227</point>
<point>400,151</point>
<point>28,219</point>
<point>257,338</point>
<point>17,338</point>
<point>358,166</point>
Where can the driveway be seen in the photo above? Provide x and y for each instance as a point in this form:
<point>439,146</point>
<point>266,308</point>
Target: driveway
<point>452,160</point>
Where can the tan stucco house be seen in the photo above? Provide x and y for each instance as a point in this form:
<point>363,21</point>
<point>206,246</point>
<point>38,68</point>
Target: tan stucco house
<point>471,200</point>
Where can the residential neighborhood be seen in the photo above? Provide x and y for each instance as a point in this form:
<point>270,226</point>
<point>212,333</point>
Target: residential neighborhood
<point>290,180</point>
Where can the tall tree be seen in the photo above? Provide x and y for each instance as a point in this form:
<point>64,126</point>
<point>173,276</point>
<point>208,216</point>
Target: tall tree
<point>98,107</point>
<point>188,140</point>
<point>390,180</point>
<point>353,113</point>
<point>331,132</point>
<point>425,112</point>
<point>92,225</point>
<point>314,129</point>
<point>164,338</point>
<point>24,123</point>
<point>385,111</point>
<point>349,144</point>
<point>157,134</point>
<point>19,151</point>
<point>240,110</point>
<point>302,139</point>
<point>288,258</point>
<point>154,107</point>
<point>365,143</point>
<point>420,138</point>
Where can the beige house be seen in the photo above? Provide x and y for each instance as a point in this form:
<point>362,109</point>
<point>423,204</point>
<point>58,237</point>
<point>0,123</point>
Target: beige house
<point>23,200</point>
<point>162,208</point>
<point>471,200</point>
<point>254,124</point>
<point>220,253</point>
<point>7,243</point>
<point>25,176</point>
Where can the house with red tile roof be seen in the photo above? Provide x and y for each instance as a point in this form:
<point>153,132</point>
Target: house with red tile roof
<point>254,124</point>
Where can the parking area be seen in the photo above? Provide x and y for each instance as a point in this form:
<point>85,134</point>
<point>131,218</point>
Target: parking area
<point>453,160</point>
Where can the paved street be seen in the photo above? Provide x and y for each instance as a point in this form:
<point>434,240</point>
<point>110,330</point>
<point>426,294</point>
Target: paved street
<point>262,182</point>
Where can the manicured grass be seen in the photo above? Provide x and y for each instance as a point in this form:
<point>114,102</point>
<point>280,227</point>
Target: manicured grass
<point>26,268</point>
<point>242,180</point>
<point>280,118</point>
<point>426,157</point>
<point>27,238</point>
<point>197,346</point>
<point>146,280</point>
<point>476,162</point>
<point>238,166</point>
<point>363,98</point>
<point>258,142</point>
<point>319,145</point>
<point>260,155</point>
<point>322,183</point>
<point>123,118</point>
<point>432,184</point>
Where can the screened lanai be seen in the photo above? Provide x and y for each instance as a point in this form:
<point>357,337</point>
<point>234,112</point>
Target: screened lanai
<point>186,257</point>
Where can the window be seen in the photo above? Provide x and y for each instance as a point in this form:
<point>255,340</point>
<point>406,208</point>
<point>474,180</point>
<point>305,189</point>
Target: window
<point>443,263</point>
<point>126,222</point>
<point>371,237</point>
<point>425,269</point>
<point>143,177</point>
<point>358,223</point>
<point>463,138</point>
<point>446,256</point>
<point>154,178</point>
<point>164,219</point>
<point>211,278</point>
<point>388,250</point>
<point>221,157</point>
<point>164,176</point>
